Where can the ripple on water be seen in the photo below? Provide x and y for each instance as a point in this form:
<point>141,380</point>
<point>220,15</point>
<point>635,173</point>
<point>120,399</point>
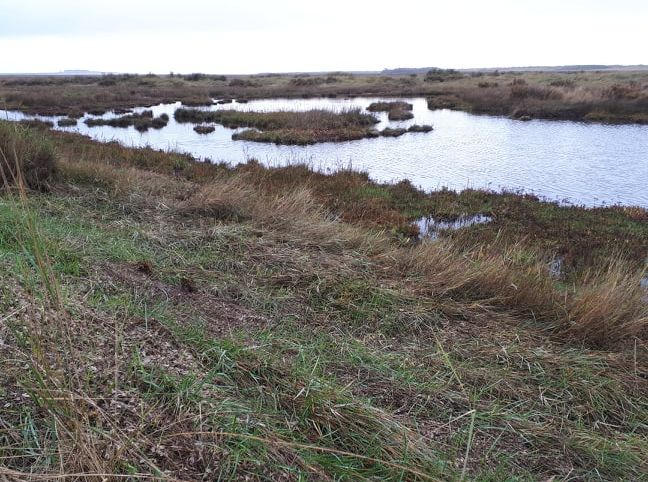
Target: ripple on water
<point>590,164</point>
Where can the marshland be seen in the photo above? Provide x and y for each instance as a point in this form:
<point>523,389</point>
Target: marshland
<point>408,275</point>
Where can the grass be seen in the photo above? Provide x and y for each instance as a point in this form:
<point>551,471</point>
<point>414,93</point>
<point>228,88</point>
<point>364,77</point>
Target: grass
<point>286,127</point>
<point>36,159</point>
<point>141,121</point>
<point>67,122</point>
<point>169,320</point>
<point>204,129</point>
<point>563,98</point>
<point>397,110</point>
<point>393,131</point>
<point>389,106</point>
<point>591,96</point>
<point>420,128</point>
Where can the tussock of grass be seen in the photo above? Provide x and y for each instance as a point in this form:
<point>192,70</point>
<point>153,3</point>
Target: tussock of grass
<point>397,110</point>
<point>67,122</point>
<point>393,131</point>
<point>142,121</point>
<point>389,106</point>
<point>204,129</point>
<point>420,128</point>
<point>25,156</point>
<point>399,115</point>
<point>287,127</point>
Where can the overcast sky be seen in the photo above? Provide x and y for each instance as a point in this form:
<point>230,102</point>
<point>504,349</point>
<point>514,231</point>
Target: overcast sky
<point>317,35</point>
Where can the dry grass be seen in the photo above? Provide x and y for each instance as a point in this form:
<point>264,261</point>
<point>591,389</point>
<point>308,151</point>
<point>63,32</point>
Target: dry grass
<point>203,322</point>
<point>604,308</point>
<point>26,156</point>
<point>564,99</point>
<point>609,307</point>
<point>287,127</point>
<point>595,96</point>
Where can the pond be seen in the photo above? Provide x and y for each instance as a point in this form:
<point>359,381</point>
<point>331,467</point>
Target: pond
<point>579,163</point>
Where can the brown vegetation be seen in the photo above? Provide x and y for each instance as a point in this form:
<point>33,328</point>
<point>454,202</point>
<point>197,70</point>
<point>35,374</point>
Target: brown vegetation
<point>171,319</point>
<point>593,96</point>
<point>142,121</point>
<point>287,127</point>
<point>27,157</point>
<point>204,129</point>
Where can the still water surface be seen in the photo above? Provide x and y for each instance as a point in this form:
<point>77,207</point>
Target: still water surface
<point>590,164</point>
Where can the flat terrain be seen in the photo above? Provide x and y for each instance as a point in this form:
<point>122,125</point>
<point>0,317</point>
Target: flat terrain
<point>163,319</point>
<point>618,97</point>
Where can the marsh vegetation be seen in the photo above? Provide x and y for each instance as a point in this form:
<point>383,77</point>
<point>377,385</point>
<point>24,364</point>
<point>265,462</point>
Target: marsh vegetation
<point>172,318</point>
<point>592,96</point>
<point>287,127</point>
<point>142,121</point>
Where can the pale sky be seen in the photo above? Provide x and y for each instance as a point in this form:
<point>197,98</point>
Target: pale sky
<point>318,35</point>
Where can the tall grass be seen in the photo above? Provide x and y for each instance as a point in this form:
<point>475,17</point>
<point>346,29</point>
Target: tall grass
<point>26,156</point>
<point>374,358</point>
<point>288,127</point>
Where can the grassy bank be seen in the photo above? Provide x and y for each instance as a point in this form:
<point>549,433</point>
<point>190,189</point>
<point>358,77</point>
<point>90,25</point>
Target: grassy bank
<point>592,96</point>
<point>564,99</point>
<point>169,320</point>
<point>286,127</point>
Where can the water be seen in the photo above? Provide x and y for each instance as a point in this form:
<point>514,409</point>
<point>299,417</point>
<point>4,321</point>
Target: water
<point>432,228</point>
<point>589,164</point>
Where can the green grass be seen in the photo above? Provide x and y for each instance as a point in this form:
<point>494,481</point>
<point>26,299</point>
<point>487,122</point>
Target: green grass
<point>241,347</point>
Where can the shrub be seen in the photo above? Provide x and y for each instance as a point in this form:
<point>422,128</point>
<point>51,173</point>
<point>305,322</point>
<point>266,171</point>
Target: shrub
<point>25,154</point>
